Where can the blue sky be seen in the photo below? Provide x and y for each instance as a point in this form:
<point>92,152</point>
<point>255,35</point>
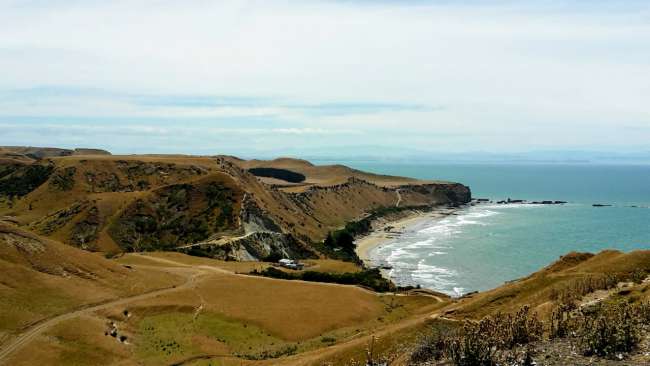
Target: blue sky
<point>256,77</point>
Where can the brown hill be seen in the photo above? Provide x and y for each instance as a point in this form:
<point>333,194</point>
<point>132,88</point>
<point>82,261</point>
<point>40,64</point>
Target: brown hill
<point>29,153</point>
<point>117,203</point>
<point>41,278</point>
<point>573,275</point>
<point>325,175</point>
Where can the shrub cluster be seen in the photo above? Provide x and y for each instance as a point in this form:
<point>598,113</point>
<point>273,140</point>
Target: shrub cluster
<point>603,330</point>
<point>22,180</point>
<point>282,174</point>
<point>478,343</point>
<point>175,216</point>
<point>339,244</point>
<point>370,278</point>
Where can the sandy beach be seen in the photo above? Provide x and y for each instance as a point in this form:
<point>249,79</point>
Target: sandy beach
<point>386,230</point>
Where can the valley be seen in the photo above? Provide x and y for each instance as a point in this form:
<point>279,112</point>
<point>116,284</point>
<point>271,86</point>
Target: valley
<point>173,260</point>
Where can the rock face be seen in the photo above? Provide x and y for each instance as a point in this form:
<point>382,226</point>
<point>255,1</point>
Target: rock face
<point>266,246</point>
<point>139,203</point>
<point>254,219</point>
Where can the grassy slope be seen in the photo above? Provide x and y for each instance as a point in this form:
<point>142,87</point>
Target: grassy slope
<point>86,195</point>
<point>41,278</point>
<point>224,314</point>
<point>536,289</point>
<point>327,175</point>
<point>227,314</point>
<point>307,316</point>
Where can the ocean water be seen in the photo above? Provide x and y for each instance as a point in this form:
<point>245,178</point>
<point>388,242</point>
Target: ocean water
<point>483,246</point>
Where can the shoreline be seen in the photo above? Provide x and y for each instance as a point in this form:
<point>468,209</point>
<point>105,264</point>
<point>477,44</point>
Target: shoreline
<point>385,230</point>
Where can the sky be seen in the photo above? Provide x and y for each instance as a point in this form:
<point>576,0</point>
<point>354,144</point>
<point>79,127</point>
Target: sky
<point>269,77</point>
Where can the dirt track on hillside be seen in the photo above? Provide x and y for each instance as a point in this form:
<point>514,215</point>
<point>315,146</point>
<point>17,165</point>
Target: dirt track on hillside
<point>192,272</point>
<point>30,333</point>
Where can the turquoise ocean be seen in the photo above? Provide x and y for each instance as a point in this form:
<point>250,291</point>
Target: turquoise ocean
<point>483,246</point>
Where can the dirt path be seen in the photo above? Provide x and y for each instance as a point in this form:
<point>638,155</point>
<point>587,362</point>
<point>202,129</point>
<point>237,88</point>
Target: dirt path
<point>319,355</point>
<point>193,272</point>
<point>261,278</point>
<point>29,334</point>
<point>221,241</point>
<point>399,198</point>
<point>311,357</point>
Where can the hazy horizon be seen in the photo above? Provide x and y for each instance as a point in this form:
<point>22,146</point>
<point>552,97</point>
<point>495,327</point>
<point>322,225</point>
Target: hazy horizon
<point>293,78</point>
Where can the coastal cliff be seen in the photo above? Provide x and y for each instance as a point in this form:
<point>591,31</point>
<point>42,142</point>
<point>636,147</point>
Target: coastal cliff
<point>219,205</point>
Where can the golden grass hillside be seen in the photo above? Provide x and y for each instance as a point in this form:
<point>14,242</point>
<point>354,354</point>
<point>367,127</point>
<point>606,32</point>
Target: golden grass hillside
<point>223,317</point>
<point>41,278</point>
<point>324,175</point>
<point>87,200</point>
<point>573,273</point>
<point>233,319</point>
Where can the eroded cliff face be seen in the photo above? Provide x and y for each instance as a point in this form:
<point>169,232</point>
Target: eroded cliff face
<point>453,194</point>
<point>262,245</point>
<point>172,203</point>
<point>318,210</point>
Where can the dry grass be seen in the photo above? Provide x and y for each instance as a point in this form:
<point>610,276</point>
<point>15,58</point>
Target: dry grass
<point>326,323</point>
<point>307,213</point>
<point>324,175</point>
<point>272,316</point>
<point>41,278</point>
<point>319,265</point>
<point>540,289</point>
<point>78,341</point>
<point>281,306</point>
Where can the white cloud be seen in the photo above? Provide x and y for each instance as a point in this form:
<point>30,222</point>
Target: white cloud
<point>510,74</point>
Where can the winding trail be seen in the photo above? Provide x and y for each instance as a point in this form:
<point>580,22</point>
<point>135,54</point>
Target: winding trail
<point>399,198</point>
<point>221,241</point>
<point>193,272</point>
<point>29,334</point>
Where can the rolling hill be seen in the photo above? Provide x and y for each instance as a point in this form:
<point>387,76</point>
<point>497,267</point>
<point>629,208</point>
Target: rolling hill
<point>113,204</point>
<point>93,256</point>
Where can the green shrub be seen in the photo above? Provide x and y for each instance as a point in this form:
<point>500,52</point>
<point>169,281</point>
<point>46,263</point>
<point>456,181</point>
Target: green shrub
<point>370,278</point>
<point>24,180</point>
<point>339,244</point>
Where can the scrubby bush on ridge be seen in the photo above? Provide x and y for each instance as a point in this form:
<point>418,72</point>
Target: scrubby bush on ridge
<point>370,278</point>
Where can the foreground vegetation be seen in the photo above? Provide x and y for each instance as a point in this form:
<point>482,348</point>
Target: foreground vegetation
<point>610,328</point>
<point>608,331</point>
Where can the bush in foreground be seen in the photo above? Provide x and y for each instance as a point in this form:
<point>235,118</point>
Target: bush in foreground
<point>603,330</point>
<point>607,330</point>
